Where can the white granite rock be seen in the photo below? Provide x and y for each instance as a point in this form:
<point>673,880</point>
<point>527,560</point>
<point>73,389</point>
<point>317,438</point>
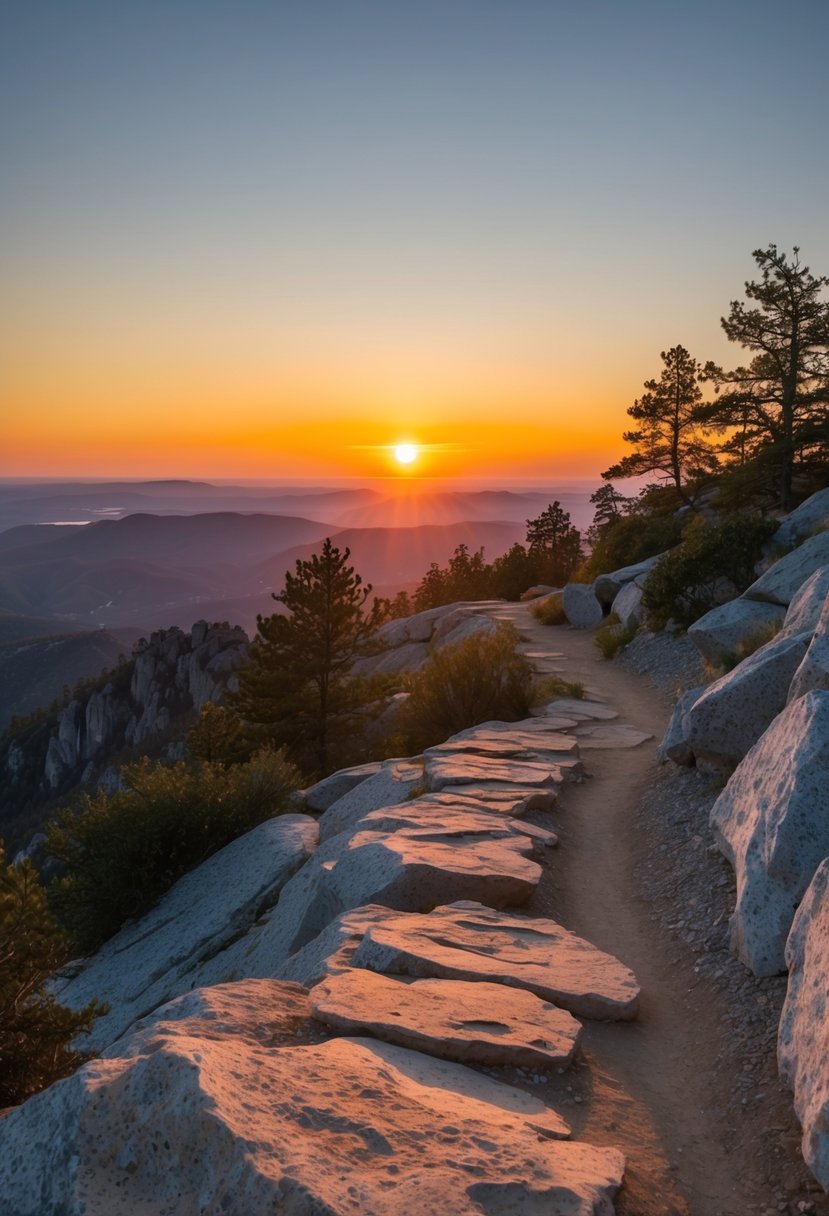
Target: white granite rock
<point>803,1037</point>
<point>781,581</point>
<point>813,671</point>
<point>675,745</point>
<point>407,857</point>
<point>803,613</point>
<point>157,957</point>
<point>607,586</point>
<point>581,607</point>
<point>320,797</point>
<point>393,782</point>
<point>804,520</point>
<point>772,822</point>
<point>467,941</point>
<point>733,712</point>
<point>205,1112</point>
<point>725,628</point>
<point>469,625</point>
<point>627,605</point>
<point>453,1019</point>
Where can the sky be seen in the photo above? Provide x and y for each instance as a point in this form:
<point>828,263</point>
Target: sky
<point>250,239</point>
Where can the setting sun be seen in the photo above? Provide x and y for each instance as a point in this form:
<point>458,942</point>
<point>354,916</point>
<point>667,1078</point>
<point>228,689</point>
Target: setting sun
<point>405,453</point>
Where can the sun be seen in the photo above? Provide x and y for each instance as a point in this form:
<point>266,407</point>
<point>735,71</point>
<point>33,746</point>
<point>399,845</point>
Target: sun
<point>405,453</point>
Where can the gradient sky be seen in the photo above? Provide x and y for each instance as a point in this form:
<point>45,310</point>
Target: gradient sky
<point>271,239</point>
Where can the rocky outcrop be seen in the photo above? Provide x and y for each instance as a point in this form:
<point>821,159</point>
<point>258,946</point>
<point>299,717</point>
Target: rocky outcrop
<point>607,586</point>
<point>675,744</point>
<point>813,671</point>
<point>810,517</point>
<point>771,823</point>
<point>405,645</point>
<point>221,1104</point>
<point>803,1039</point>
<point>803,613</point>
<point>785,577</point>
<point>155,959</point>
<point>733,712</point>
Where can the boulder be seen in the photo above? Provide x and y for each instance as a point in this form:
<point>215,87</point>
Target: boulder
<point>809,517</point>
<point>722,631</point>
<point>607,586</point>
<point>675,745</point>
<point>453,1019</point>
<point>467,941</point>
<point>581,607</point>
<point>321,796</point>
<point>803,1037</point>
<point>813,671</point>
<point>771,822</point>
<point>156,958</point>
<point>732,713</point>
<point>540,589</point>
<point>628,606</point>
<point>205,1111</point>
<point>392,783</point>
<point>804,611</point>
<point>409,657</point>
<point>782,580</point>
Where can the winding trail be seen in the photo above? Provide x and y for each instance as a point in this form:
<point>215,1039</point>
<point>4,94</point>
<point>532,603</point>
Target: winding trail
<point>648,1085</point>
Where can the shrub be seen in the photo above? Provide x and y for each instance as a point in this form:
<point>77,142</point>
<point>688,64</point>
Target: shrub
<point>550,610</point>
<point>480,679</point>
<point>689,581</point>
<point>35,1031</point>
<point>632,539</point>
<point>613,636</point>
<point>122,851</point>
<point>549,688</point>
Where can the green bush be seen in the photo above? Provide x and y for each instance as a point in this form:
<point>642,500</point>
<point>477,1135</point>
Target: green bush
<point>550,610</point>
<point>613,636</point>
<point>122,851</point>
<point>480,679</point>
<point>550,688</point>
<point>688,582</point>
<point>35,1031</point>
<point>631,539</point>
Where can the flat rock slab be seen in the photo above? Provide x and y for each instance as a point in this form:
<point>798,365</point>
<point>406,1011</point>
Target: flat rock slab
<point>504,799</point>
<point>159,956</point>
<point>465,769</point>
<point>580,710</point>
<point>196,1114</point>
<point>610,735</point>
<point>319,797</point>
<point>452,1019</point>
<point>467,941</point>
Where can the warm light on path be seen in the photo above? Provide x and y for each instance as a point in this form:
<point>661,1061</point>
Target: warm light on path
<point>405,453</point>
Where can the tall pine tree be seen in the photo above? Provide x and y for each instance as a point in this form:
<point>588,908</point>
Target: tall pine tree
<point>296,690</point>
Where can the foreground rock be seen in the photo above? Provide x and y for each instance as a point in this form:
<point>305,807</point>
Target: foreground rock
<point>158,957</point>
<point>452,1019</point>
<point>675,745</point>
<point>813,671</point>
<point>467,941</point>
<point>803,1042</point>
<point>202,1112</point>
<point>781,581</point>
<point>771,823</point>
<point>732,713</point>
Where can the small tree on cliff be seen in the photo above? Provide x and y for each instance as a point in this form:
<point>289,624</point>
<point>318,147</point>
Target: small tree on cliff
<point>295,689</point>
<point>668,439</point>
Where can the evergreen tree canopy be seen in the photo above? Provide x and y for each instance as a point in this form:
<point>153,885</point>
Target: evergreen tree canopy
<point>776,408</point>
<point>554,544</point>
<point>668,439</point>
<point>295,687</point>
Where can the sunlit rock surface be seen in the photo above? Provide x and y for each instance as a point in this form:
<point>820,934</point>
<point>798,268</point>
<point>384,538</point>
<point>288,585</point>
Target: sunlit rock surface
<point>205,1110</point>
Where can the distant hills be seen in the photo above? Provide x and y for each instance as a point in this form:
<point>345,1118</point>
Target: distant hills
<point>33,673</point>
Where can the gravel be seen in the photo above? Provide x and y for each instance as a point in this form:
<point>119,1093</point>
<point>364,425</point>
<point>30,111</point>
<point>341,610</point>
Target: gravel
<point>672,664</point>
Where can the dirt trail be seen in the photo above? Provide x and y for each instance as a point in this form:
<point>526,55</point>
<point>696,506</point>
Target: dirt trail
<point>648,1086</point>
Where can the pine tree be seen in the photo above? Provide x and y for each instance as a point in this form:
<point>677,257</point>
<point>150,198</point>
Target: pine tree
<point>668,439</point>
<point>295,689</point>
<point>554,544</point>
<point>776,409</point>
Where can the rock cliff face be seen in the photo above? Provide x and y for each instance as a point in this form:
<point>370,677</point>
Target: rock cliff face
<point>171,675</point>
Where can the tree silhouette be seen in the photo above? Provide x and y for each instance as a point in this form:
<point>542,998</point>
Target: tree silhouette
<point>554,544</point>
<point>668,439</point>
<point>776,407</point>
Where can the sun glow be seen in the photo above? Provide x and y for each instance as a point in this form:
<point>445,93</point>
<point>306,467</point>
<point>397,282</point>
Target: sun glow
<point>405,453</point>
